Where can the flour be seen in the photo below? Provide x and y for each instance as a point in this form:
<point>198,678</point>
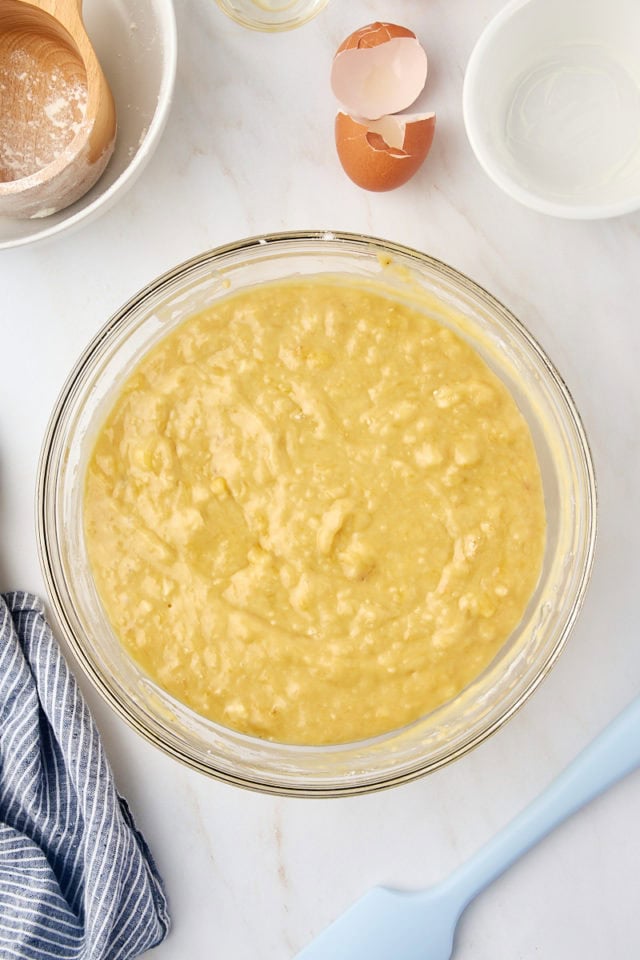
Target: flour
<point>40,113</point>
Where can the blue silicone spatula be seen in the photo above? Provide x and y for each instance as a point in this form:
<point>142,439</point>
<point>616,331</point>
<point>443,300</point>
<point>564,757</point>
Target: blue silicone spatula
<point>396,925</point>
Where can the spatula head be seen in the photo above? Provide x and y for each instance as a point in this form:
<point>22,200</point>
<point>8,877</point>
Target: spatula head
<point>388,925</point>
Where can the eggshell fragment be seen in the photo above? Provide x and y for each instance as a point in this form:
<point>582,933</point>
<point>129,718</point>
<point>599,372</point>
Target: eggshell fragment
<point>379,69</point>
<point>373,35</point>
<point>383,154</point>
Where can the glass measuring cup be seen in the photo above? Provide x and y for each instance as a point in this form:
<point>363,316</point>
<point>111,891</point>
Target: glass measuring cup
<point>271,15</point>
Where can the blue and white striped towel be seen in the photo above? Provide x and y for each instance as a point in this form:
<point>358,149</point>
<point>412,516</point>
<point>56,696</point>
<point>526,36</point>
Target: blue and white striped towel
<point>77,881</point>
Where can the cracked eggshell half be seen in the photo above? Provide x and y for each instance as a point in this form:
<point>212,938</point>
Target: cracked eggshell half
<point>379,69</point>
<point>383,154</point>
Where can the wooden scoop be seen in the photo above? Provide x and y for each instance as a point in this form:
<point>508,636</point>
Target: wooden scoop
<point>57,115</point>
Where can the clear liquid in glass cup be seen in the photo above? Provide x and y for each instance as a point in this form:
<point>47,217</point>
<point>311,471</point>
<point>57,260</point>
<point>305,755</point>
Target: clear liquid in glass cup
<point>271,15</point>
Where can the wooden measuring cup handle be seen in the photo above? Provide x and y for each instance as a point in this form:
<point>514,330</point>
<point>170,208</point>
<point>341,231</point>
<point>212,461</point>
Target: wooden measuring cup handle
<point>62,10</point>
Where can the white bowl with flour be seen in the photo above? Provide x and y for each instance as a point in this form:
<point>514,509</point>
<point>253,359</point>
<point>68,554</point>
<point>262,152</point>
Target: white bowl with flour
<point>137,49</point>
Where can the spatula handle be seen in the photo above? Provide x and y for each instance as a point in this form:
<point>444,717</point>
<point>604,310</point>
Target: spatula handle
<point>608,758</point>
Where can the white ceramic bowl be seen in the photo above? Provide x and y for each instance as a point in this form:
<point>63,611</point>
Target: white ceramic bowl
<point>136,46</point>
<point>552,105</point>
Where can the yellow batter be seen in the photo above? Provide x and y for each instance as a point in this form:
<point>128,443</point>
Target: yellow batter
<point>313,514</point>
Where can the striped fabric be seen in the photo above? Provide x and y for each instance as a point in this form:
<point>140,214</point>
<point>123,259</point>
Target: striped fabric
<point>77,881</point>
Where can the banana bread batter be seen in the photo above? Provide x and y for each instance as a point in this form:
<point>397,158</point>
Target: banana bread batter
<point>314,514</point>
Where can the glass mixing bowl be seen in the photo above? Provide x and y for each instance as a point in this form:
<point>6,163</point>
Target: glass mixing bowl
<point>567,475</point>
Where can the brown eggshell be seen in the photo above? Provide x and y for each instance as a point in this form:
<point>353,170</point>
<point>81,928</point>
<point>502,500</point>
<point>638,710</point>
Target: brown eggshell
<point>382,155</point>
<point>378,70</point>
<point>374,34</point>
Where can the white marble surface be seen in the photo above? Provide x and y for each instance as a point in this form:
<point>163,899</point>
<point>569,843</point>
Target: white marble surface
<point>249,148</point>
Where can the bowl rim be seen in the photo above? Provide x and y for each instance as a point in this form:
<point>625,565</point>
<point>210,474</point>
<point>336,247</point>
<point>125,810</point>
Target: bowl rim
<point>285,23</point>
<point>167,21</point>
<point>485,156</point>
<point>104,336</point>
